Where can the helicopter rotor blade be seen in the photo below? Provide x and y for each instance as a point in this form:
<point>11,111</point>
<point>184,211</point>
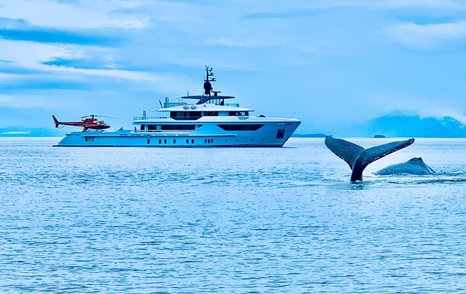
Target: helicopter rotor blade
<point>95,115</point>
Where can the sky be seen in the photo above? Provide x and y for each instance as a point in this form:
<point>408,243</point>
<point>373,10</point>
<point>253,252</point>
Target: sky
<point>330,63</point>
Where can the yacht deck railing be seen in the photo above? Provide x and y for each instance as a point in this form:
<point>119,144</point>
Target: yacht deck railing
<point>148,117</point>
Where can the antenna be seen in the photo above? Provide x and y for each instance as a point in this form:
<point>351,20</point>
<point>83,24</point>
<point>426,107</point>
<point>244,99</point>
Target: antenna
<point>208,78</point>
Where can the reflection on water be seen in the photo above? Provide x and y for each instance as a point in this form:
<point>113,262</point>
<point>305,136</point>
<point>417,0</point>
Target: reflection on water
<point>223,220</point>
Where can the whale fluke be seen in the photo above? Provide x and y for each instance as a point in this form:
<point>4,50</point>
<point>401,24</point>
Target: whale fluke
<point>347,151</point>
<point>359,158</point>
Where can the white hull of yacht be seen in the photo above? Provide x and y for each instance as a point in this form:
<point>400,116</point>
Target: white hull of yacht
<point>271,134</point>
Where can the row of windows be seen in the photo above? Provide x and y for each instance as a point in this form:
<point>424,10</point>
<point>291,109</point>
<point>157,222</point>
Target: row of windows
<point>89,139</point>
<point>186,115</point>
<point>238,113</point>
<point>188,141</point>
<point>236,127</point>
<point>226,127</point>
<point>153,128</point>
<point>193,115</point>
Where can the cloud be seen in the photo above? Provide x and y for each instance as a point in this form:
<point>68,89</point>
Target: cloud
<point>230,42</point>
<point>29,54</point>
<point>84,63</point>
<point>34,56</point>
<point>82,14</point>
<point>15,133</point>
<point>56,36</point>
<point>9,67</point>
<point>30,65</point>
<point>299,9</point>
<point>428,36</point>
<point>10,101</point>
<point>415,4</point>
<point>280,15</point>
<point>21,30</point>
<point>439,113</point>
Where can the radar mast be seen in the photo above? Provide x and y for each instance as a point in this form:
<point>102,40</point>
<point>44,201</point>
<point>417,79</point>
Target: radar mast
<point>208,78</point>
<point>208,90</point>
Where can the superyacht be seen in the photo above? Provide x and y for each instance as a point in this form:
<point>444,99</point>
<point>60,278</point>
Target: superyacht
<point>206,120</point>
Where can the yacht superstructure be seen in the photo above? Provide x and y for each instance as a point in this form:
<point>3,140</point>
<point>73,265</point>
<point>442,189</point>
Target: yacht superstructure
<point>208,122</point>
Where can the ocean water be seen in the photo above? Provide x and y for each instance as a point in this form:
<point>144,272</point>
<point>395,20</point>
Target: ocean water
<point>244,220</point>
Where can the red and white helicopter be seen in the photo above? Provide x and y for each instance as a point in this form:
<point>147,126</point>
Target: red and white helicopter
<point>87,122</point>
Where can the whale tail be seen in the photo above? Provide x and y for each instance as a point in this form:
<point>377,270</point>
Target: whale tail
<point>359,158</point>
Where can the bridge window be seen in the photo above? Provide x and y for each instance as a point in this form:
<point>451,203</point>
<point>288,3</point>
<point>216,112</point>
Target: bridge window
<point>237,127</point>
<point>185,115</point>
<point>151,128</point>
<point>178,127</point>
<point>143,127</point>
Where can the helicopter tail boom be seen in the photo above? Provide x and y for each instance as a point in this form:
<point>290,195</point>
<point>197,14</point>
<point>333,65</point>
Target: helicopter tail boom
<point>55,120</point>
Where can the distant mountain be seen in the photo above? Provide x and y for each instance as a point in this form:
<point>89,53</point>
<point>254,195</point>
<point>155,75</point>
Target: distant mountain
<point>400,125</point>
<point>29,132</point>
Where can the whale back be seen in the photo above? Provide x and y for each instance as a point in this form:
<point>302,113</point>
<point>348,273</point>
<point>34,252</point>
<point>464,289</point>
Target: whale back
<point>414,166</point>
<point>419,162</point>
<point>416,160</point>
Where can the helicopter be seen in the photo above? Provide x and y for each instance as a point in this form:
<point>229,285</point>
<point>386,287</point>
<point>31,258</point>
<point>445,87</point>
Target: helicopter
<point>87,122</point>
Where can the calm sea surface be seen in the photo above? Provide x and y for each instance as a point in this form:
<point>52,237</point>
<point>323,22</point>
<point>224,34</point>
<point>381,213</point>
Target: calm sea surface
<point>229,220</point>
